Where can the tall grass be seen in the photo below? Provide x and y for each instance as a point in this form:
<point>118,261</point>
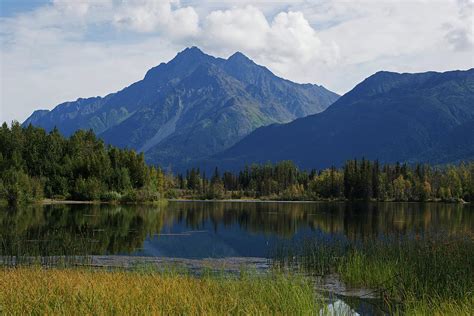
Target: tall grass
<point>429,275</point>
<point>32,290</point>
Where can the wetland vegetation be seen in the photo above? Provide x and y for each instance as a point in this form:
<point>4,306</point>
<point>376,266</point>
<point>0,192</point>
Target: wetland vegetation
<point>413,258</point>
<point>84,291</point>
<point>417,258</point>
<point>417,274</point>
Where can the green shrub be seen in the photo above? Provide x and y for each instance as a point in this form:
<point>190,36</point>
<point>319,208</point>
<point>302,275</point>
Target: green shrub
<point>141,195</point>
<point>18,187</point>
<point>87,189</point>
<point>110,196</point>
<point>148,195</point>
<point>172,194</point>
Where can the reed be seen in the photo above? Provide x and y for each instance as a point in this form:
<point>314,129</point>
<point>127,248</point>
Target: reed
<point>433,274</point>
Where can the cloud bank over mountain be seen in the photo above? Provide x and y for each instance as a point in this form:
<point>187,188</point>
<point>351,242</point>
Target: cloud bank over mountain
<point>65,49</point>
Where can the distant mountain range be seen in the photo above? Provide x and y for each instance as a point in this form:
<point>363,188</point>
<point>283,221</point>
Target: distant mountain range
<point>202,111</point>
<point>190,108</point>
<point>425,117</point>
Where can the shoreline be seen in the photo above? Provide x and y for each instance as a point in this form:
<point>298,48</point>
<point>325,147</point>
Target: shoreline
<point>77,202</point>
<point>253,201</point>
<point>184,200</point>
<point>330,283</point>
<point>51,202</point>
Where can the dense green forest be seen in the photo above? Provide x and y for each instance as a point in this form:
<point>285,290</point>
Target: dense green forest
<point>35,165</point>
<point>357,180</point>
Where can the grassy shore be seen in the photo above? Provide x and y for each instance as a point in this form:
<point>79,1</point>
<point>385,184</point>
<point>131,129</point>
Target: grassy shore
<point>32,290</point>
<point>429,275</point>
<point>433,275</point>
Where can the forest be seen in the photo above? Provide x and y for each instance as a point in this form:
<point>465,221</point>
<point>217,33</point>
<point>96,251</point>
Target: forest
<point>356,180</point>
<point>35,165</point>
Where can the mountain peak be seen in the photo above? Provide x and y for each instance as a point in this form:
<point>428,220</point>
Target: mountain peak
<point>190,107</point>
<point>238,56</point>
<point>191,51</point>
<point>383,81</point>
<point>190,54</point>
<point>185,60</point>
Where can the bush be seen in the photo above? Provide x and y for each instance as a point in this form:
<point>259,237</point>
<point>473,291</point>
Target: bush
<point>141,195</point>
<point>172,194</point>
<point>110,196</point>
<point>237,194</point>
<point>215,192</point>
<point>18,187</point>
<point>293,193</point>
<point>87,189</point>
<point>37,191</point>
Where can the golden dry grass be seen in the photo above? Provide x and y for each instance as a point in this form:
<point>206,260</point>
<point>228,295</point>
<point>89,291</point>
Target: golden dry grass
<point>34,290</point>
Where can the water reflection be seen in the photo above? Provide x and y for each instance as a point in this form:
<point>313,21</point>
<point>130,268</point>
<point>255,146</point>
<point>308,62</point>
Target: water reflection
<point>212,229</point>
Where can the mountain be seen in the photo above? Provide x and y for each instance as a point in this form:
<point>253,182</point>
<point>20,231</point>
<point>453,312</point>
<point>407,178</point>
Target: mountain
<point>192,107</point>
<point>423,117</point>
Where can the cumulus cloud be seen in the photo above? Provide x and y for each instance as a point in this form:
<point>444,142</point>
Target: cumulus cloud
<point>286,41</point>
<point>161,16</point>
<point>68,49</point>
<point>53,52</point>
<point>403,36</point>
<point>293,37</point>
<point>239,28</point>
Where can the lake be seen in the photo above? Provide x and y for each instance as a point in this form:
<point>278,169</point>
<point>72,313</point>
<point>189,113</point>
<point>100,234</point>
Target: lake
<point>196,230</point>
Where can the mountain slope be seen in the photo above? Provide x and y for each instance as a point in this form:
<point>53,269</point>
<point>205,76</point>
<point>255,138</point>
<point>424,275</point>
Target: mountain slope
<point>389,116</point>
<point>189,108</point>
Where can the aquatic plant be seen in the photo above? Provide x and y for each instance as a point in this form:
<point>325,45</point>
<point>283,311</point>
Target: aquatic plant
<point>414,273</point>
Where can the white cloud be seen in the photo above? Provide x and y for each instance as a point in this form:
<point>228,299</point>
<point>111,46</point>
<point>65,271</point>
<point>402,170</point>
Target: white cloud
<point>165,17</point>
<point>403,36</point>
<point>69,49</point>
<point>47,59</point>
<point>286,41</point>
<point>460,33</point>
<point>77,8</point>
<point>239,28</point>
<point>293,37</point>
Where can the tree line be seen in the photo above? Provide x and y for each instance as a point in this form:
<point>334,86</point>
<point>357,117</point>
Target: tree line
<point>356,180</point>
<point>35,164</point>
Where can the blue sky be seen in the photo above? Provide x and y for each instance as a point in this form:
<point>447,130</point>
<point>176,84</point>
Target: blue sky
<point>58,50</point>
<point>12,7</point>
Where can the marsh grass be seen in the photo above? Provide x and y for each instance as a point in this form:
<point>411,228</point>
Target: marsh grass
<point>432,274</point>
<point>49,250</point>
<point>35,290</point>
<point>437,306</point>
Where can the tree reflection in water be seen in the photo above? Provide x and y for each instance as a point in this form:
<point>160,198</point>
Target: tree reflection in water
<point>52,230</point>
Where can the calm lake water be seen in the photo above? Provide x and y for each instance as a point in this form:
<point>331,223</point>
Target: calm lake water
<point>214,229</point>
